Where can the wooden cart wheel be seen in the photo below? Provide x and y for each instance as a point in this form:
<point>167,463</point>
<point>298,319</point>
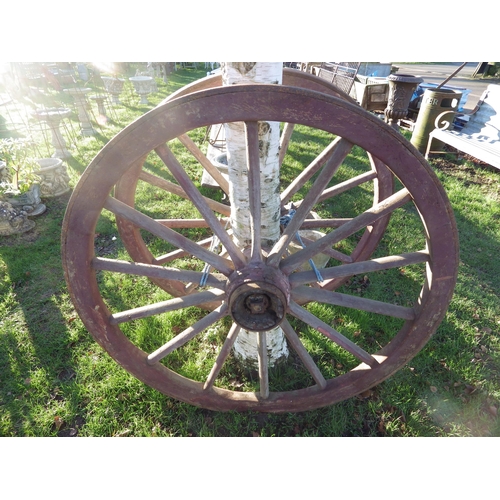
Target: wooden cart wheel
<point>271,288</point>
<point>377,173</point>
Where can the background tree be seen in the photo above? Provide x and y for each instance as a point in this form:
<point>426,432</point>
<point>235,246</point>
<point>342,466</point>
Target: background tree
<point>246,345</point>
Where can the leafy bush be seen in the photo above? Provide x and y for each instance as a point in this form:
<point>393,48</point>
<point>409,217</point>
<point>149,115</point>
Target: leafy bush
<point>21,166</point>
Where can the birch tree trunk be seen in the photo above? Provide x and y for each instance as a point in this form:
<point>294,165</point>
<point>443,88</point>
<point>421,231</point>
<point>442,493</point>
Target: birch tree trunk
<point>246,345</point>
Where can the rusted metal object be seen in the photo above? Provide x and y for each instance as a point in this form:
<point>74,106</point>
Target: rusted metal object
<point>258,297</point>
<point>401,88</point>
<point>272,273</point>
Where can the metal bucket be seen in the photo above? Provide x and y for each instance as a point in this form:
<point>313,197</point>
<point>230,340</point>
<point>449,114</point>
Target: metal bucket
<point>434,102</point>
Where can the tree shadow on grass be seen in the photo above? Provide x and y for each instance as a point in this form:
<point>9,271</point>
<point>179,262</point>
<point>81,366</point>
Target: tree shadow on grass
<point>35,344</point>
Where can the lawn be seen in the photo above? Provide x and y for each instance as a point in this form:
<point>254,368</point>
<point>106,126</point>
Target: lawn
<point>55,380</point>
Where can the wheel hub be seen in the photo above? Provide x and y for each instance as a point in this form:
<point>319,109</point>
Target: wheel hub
<point>258,298</point>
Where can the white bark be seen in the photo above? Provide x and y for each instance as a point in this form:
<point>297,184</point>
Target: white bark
<point>245,347</point>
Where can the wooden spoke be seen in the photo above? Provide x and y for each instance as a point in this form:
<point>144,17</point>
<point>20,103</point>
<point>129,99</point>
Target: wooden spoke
<point>196,299</point>
<point>324,177</point>
<point>187,223</point>
<point>367,266</point>
<point>301,351</point>
<point>176,239</point>
<point>253,162</point>
<point>328,331</point>
<point>205,162</point>
<point>286,135</point>
<point>307,294</point>
<point>309,171</point>
<point>200,203</point>
<point>335,254</point>
<point>263,365</point>
<point>187,334</point>
<point>170,187</point>
<point>178,254</point>
<point>153,271</point>
<point>223,354</point>
<point>365,219</point>
<point>342,187</point>
<point>324,223</point>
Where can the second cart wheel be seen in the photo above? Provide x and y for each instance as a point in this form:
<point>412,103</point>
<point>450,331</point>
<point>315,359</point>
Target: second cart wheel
<point>374,177</point>
<point>331,361</point>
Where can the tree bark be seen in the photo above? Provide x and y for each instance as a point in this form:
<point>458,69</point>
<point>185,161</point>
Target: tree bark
<point>246,346</point>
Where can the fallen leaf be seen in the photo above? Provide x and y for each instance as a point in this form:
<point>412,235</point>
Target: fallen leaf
<point>255,434</point>
<point>58,421</point>
<point>493,410</point>
<point>433,388</point>
<point>381,426</point>
<point>486,330</point>
<point>469,389</point>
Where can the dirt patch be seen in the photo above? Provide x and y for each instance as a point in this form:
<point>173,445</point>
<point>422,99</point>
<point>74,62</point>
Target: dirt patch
<point>20,239</point>
<point>474,170</point>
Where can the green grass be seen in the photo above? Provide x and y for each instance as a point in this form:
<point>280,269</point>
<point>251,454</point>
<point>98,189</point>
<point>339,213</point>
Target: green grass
<point>56,381</point>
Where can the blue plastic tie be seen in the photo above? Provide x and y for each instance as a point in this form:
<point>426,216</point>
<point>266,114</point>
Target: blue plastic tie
<point>206,269</point>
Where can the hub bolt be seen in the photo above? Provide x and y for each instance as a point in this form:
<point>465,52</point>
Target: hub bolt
<point>257,303</point>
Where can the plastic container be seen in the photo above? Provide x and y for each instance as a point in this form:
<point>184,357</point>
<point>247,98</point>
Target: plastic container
<point>378,69</point>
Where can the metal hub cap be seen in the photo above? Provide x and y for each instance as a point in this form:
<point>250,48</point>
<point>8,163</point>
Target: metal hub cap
<point>258,298</point>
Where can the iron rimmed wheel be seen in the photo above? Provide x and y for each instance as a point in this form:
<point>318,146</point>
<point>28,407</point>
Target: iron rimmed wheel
<point>376,173</point>
<point>421,194</point>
